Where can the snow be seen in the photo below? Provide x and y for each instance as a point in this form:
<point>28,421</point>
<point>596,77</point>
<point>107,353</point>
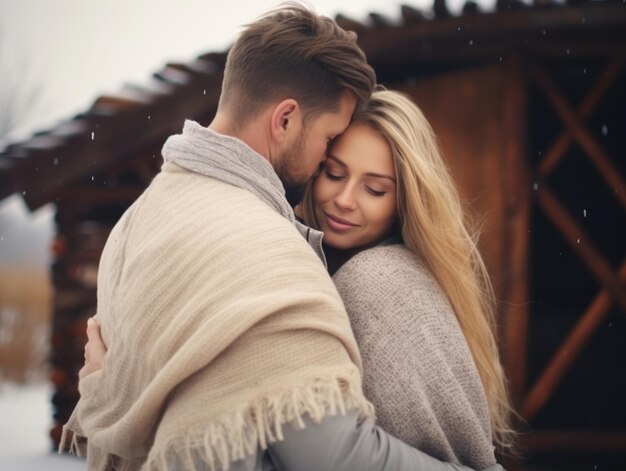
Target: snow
<point>25,413</point>
<point>43,462</point>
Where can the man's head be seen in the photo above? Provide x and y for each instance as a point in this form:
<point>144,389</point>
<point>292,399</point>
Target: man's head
<point>299,76</point>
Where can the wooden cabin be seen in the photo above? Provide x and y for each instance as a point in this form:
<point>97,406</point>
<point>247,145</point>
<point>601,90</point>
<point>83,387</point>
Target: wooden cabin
<point>529,103</point>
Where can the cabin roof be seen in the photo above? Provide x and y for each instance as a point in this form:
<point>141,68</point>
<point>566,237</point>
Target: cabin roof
<point>136,117</point>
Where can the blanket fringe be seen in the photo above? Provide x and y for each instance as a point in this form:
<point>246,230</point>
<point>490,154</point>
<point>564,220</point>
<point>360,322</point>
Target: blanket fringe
<point>235,435</point>
<point>69,442</point>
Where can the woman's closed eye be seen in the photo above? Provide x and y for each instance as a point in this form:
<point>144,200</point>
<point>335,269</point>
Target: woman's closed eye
<point>333,176</point>
<point>375,192</point>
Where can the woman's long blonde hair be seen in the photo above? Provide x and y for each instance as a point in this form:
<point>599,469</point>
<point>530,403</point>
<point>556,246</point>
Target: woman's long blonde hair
<point>434,226</point>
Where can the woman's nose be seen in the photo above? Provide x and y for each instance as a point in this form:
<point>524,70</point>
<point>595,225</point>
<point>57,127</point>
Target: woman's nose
<point>345,198</point>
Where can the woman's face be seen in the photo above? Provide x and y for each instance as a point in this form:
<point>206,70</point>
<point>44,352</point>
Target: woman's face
<point>354,195</point>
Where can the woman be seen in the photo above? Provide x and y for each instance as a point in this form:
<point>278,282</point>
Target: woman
<point>413,283</point>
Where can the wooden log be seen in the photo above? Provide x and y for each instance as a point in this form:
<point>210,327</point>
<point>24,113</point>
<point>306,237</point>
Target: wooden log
<point>380,21</point>
<point>349,24</point>
<point>175,76</point>
<point>411,15</point>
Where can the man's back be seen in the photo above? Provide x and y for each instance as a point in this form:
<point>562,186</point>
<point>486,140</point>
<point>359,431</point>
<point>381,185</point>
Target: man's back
<point>202,288</point>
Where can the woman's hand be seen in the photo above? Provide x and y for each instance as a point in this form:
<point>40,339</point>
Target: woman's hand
<point>94,349</point>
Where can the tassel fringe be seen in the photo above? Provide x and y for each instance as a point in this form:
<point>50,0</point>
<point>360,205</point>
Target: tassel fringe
<point>238,434</point>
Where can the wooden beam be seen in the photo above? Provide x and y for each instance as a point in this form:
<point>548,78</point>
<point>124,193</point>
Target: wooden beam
<point>349,23</point>
<point>85,195</point>
<point>411,15</point>
<point>592,148</point>
<point>605,43</point>
<point>380,21</point>
<point>561,145</point>
<point>581,244</point>
<point>500,31</point>
<point>43,174</point>
<point>575,442</point>
<point>567,353</point>
<point>514,310</point>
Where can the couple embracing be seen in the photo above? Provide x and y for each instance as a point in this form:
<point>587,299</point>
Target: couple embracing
<point>355,333</point>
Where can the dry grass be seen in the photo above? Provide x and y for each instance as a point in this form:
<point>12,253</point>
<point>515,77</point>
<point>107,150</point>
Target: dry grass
<point>25,304</point>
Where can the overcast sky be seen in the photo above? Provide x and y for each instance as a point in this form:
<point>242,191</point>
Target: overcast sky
<point>57,56</point>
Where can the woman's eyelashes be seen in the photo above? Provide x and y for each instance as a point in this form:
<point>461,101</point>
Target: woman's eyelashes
<point>333,177</point>
<point>338,177</point>
<point>375,192</point>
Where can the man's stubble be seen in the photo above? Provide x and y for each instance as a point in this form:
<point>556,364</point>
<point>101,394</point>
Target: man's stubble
<point>290,171</point>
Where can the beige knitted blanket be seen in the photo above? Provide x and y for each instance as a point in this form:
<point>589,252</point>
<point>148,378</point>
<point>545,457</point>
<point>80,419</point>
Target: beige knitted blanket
<point>417,368</point>
<point>221,325</point>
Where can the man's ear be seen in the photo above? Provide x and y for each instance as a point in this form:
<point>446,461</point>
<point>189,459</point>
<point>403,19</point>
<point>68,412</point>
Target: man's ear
<point>284,118</point>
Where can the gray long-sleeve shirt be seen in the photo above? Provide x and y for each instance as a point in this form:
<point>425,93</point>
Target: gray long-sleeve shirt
<point>341,443</point>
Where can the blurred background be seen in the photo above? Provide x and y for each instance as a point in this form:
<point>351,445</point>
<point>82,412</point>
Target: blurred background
<point>528,100</point>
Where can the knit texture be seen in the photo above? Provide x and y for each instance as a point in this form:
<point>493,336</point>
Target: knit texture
<point>221,325</point>
<point>417,368</point>
<point>229,160</point>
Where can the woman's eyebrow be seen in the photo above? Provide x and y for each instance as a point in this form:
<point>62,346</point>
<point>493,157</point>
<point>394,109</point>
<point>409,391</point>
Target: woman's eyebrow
<point>339,161</point>
<point>369,174</point>
<point>379,175</point>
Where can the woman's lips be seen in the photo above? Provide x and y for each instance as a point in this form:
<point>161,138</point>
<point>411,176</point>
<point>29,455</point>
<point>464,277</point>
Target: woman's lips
<point>338,224</point>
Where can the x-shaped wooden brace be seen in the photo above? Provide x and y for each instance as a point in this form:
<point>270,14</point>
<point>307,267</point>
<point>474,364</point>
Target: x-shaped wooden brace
<point>614,284</point>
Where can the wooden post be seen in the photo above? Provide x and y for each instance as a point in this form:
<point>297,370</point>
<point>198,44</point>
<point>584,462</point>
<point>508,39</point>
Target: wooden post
<point>514,312</point>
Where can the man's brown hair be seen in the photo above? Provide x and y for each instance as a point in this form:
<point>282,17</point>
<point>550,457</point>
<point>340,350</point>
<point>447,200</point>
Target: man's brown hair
<point>294,53</point>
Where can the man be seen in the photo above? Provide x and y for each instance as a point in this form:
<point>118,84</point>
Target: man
<point>228,345</point>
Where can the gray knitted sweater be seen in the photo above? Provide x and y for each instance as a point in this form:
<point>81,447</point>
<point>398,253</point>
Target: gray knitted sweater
<point>418,370</point>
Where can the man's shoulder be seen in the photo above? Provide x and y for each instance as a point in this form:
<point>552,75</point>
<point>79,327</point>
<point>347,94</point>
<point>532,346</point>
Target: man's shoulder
<point>210,200</point>
<point>175,179</point>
